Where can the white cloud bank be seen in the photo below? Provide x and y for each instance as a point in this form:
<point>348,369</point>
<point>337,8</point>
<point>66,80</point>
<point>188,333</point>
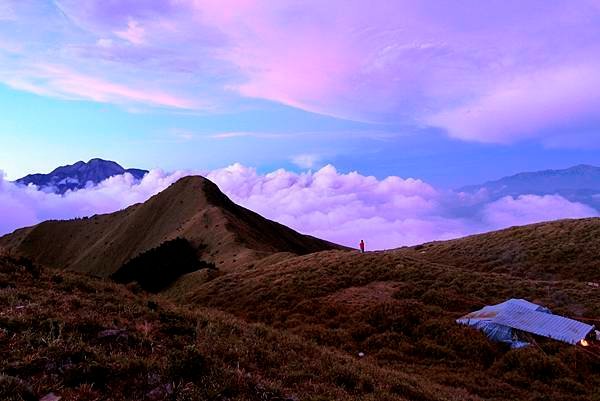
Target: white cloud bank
<point>343,208</point>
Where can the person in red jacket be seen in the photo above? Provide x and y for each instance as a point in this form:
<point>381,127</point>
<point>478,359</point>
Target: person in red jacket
<point>362,246</point>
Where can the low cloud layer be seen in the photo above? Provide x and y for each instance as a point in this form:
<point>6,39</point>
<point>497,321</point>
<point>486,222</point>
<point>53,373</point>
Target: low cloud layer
<point>343,208</point>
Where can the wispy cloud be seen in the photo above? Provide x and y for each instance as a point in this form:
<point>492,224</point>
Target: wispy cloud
<point>306,160</point>
<point>528,106</point>
<point>134,33</point>
<point>7,12</point>
<point>338,134</point>
<point>60,81</point>
<point>233,134</point>
<point>182,134</point>
<point>243,134</point>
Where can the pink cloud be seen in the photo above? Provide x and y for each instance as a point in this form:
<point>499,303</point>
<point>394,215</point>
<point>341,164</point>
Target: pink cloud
<point>527,106</point>
<point>343,207</point>
<point>134,33</point>
<point>305,57</point>
<point>498,71</point>
<point>47,79</point>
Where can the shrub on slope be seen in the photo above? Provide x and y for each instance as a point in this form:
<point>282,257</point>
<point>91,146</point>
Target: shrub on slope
<point>158,267</point>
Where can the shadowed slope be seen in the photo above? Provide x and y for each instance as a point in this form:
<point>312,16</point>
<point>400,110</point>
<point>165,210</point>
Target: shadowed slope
<point>193,208</point>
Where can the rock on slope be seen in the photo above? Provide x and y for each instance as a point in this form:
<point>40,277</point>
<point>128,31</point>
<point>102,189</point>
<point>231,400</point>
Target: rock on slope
<point>193,208</point>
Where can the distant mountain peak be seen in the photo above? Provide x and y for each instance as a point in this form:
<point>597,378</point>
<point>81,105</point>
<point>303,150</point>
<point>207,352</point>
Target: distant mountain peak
<point>78,175</point>
<point>583,168</point>
<point>580,183</point>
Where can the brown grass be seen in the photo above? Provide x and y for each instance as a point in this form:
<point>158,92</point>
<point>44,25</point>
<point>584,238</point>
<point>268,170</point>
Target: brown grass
<point>300,321</point>
<point>560,250</point>
<point>87,339</point>
<point>400,310</point>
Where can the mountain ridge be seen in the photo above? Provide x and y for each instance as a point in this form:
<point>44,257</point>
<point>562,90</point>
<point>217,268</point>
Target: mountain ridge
<point>588,177</point>
<point>193,208</point>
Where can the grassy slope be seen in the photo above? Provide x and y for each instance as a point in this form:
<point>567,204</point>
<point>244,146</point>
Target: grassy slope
<point>53,338</point>
<point>561,250</point>
<point>320,310</point>
<point>400,310</point>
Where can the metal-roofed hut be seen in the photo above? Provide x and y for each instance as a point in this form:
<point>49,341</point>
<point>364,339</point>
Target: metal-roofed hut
<point>505,322</point>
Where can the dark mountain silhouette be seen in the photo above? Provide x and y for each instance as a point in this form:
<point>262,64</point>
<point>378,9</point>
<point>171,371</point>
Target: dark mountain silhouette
<point>79,175</point>
<point>579,183</point>
<point>193,208</point>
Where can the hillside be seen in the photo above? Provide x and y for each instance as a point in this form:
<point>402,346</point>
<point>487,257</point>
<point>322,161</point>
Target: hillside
<point>223,233</point>
<point>78,175</point>
<point>300,325</point>
<point>559,250</point>
<point>85,339</point>
<point>304,309</point>
<point>399,307</point>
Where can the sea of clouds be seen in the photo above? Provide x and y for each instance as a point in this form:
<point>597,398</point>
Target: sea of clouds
<point>339,207</point>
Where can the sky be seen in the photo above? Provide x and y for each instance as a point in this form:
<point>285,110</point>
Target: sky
<point>444,92</point>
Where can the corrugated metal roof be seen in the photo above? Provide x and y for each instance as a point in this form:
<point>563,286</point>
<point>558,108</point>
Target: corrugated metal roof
<point>498,321</point>
<point>491,311</point>
<point>543,324</point>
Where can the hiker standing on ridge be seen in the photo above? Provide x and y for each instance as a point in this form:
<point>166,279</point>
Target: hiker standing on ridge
<point>362,246</point>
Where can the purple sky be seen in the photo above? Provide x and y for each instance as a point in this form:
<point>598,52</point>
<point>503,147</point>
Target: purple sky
<point>448,92</point>
<point>487,71</point>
